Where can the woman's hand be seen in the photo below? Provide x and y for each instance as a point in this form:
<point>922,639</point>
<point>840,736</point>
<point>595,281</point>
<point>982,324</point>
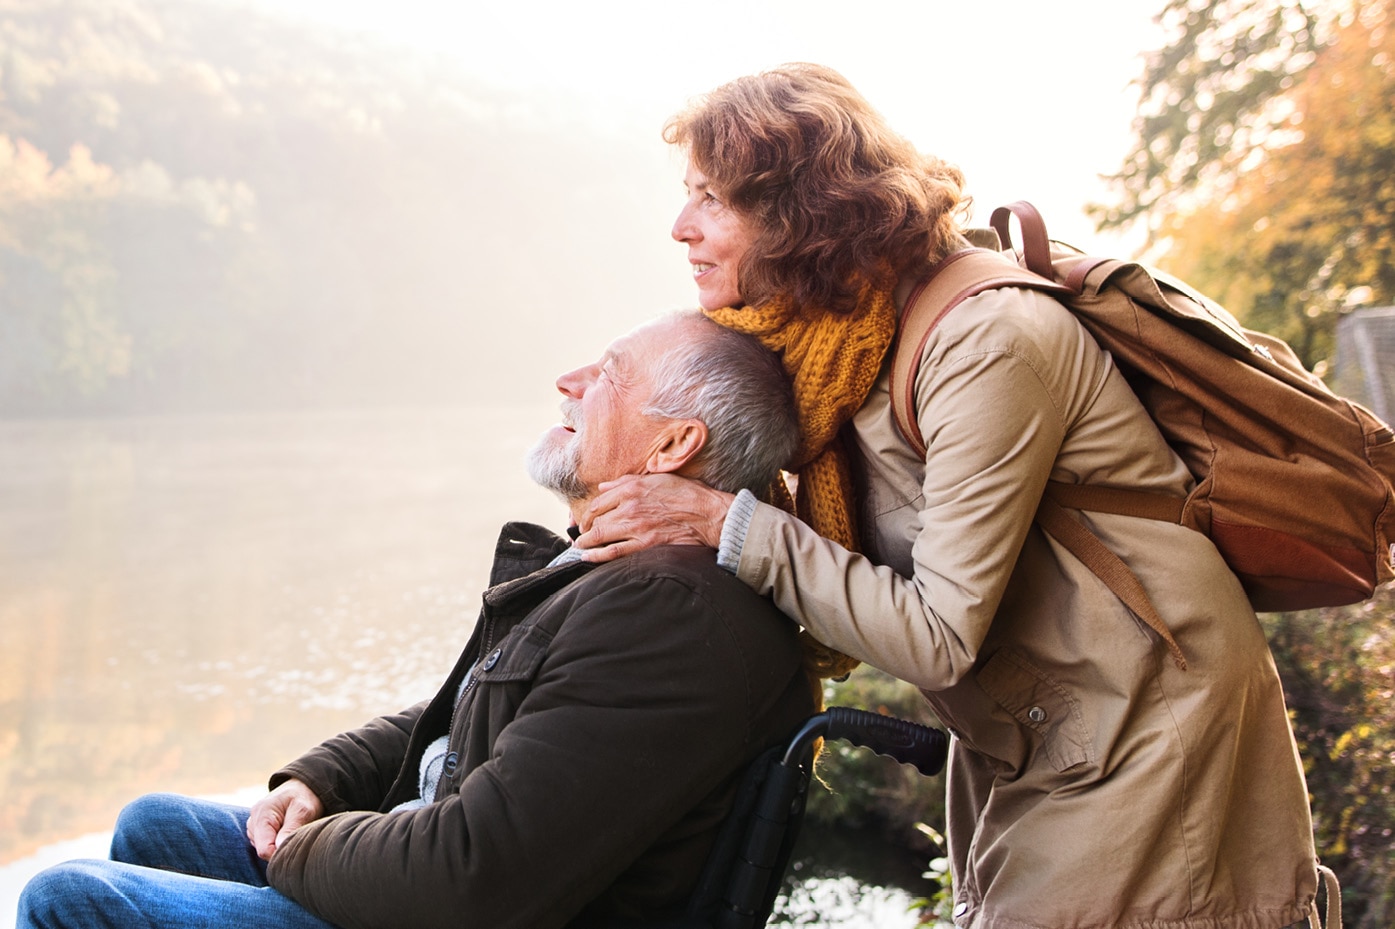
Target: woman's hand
<point>636,512</point>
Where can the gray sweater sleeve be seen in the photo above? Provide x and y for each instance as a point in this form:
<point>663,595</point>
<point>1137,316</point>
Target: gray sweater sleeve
<point>734,530</point>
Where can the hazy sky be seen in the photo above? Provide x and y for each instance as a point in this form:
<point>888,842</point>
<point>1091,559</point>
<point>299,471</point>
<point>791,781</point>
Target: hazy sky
<point>1032,99</point>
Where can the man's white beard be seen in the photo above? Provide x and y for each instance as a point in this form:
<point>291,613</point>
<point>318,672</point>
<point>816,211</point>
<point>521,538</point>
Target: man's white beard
<point>553,466</point>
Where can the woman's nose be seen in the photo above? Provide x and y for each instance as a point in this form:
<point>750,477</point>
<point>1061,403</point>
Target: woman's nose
<point>684,229</point>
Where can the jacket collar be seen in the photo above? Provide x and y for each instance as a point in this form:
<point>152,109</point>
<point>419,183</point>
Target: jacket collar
<point>520,571</point>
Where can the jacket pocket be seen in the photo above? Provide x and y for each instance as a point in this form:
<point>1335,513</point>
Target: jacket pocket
<point>517,658</point>
<point>1040,704</point>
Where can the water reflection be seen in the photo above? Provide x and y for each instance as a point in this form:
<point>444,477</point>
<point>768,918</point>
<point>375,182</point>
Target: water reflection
<point>188,603</point>
<point>845,903</point>
<point>851,879</point>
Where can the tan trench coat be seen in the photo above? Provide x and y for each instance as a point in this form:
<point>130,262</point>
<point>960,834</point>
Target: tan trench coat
<point>1092,783</point>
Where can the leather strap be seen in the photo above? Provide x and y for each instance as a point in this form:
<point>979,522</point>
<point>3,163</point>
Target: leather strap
<point>1036,244</point>
<point>1108,567</point>
<point>1117,500</point>
<point>952,281</point>
<point>972,271</point>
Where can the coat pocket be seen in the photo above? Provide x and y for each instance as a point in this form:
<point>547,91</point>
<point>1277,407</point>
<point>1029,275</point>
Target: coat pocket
<point>517,657</point>
<point>1040,704</point>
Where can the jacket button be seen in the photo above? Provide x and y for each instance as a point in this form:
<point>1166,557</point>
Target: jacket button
<point>1036,714</point>
<point>450,764</point>
<point>493,659</point>
<point>960,910</point>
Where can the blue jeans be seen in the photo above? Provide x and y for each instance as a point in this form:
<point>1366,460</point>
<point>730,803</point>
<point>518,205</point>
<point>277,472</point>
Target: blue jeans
<point>176,863</point>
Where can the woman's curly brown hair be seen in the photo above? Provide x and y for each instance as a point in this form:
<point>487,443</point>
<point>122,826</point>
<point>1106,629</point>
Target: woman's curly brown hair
<point>834,194</point>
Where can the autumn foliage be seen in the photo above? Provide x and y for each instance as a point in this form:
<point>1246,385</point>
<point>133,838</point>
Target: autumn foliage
<point>1307,230</point>
<point>1264,170</point>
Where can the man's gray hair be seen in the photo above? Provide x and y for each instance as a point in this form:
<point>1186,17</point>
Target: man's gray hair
<point>738,389</point>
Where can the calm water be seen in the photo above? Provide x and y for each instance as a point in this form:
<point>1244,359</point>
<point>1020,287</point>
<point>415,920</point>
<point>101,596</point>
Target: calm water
<point>185,604</point>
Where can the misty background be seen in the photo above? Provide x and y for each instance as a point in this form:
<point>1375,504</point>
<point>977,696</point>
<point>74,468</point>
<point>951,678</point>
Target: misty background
<point>202,208</point>
<point>212,205</point>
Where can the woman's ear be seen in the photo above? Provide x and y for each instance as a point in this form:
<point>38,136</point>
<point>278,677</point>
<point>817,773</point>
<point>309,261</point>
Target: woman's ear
<point>678,443</point>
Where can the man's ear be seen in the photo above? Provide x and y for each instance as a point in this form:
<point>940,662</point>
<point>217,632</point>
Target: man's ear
<point>676,444</point>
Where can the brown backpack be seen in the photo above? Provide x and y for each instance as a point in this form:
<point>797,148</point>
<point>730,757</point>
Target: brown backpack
<point>1293,482</point>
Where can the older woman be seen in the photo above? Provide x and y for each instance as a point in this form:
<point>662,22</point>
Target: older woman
<point>1094,782</point>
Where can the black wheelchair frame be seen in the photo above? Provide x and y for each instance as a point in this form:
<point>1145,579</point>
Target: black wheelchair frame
<point>747,865</point>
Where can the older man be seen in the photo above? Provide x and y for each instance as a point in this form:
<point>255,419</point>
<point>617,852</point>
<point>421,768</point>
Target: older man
<point>577,761</point>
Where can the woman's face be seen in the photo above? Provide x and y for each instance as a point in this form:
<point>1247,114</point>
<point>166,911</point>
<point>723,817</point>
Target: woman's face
<point>717,238</point>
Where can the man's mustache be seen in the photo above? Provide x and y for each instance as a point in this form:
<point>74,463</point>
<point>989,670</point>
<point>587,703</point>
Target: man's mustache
<point>571,414</point>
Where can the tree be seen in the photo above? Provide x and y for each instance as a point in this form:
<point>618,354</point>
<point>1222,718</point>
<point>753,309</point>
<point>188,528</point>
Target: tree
<point>1211,98</point>
<point>203,207</point>
<point>46,216</point>
<point>1294,223</point>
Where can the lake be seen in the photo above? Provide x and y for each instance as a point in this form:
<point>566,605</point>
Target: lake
<point>186,603</point>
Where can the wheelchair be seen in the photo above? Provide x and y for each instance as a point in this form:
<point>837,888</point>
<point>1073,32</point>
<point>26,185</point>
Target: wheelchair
<point>747,864</point>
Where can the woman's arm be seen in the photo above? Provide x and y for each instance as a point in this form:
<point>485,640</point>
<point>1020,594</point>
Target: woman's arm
<point>993,436</point>
<point>1003,380</point>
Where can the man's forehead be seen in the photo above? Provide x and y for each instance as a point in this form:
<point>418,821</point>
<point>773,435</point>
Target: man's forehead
<point>648,342</point>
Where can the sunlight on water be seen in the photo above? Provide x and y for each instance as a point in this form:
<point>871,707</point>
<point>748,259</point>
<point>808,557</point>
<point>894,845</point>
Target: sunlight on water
<point>189,603</point>
<point>844,903</point>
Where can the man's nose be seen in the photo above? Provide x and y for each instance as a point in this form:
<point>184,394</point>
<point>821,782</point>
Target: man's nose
<point>573,384</point>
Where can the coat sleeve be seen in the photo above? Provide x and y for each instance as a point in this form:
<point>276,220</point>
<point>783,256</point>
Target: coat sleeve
<point>355,770</point>
<point>992,403</point>
<point>641,707</point>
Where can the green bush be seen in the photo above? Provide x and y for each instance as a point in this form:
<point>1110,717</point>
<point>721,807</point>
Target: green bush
<point>1338,669</point>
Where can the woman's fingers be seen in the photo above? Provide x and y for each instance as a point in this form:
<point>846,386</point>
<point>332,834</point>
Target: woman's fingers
<point>656,509</point>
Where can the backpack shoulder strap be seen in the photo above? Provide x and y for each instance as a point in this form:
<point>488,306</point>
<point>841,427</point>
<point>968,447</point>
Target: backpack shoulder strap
<point>963,275</point>
<point>958,277</point>
<point>1105,565</point>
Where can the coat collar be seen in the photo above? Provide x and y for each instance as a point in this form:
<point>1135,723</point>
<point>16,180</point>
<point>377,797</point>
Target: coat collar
<point>520,571</point>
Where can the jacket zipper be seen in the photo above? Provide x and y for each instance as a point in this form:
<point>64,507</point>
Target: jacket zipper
<point>485,647</point>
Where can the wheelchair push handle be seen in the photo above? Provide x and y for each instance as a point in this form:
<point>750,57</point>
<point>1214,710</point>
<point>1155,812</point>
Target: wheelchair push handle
<point>910,743</point>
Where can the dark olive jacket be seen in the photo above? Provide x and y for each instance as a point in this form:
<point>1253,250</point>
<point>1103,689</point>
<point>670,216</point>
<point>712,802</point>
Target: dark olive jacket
<point>610,713</point>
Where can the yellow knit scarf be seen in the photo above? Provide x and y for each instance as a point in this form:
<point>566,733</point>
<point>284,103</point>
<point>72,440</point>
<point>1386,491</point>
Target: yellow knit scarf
<point>833,359</point>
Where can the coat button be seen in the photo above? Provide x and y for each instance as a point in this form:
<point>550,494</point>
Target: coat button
<point>493,659</point>
<point>1036,714</point>
<point>450,764</point>
<point>960,910</point>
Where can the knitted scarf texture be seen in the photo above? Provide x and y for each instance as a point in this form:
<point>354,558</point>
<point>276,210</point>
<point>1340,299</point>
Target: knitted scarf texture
<point>833,360</point>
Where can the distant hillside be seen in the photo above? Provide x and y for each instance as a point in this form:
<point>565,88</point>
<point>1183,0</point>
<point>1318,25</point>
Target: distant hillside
<point>202,208</point>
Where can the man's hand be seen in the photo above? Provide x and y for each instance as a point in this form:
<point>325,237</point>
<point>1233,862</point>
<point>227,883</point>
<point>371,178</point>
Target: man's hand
<point>279,813</point>
<point>633,513</point>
